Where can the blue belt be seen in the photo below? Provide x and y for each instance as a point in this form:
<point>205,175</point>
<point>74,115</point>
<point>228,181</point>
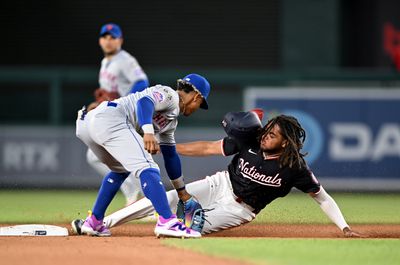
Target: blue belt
<point>111,104</point>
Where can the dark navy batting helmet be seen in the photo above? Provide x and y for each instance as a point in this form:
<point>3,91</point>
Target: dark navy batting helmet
<point>243,125</point>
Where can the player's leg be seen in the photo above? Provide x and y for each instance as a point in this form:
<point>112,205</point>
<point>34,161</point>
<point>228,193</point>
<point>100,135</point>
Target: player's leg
<point>222,211</point>
<point>93,225</point>
<point>201,190</point>
<point>96,164</point>
<point>129,151</point>
<point>130,187</point>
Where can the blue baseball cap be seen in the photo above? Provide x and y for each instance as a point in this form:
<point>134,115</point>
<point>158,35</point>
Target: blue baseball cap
<point>200,84</point>
<point>113,29</point>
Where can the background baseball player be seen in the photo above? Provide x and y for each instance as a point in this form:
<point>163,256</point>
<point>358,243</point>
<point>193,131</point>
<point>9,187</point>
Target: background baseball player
<point>122,133</point>
<point>263,168</point>
<point>120,74</point>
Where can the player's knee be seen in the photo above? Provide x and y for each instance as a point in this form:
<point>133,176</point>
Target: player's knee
<point>152,173</point>
<point>149,175</point>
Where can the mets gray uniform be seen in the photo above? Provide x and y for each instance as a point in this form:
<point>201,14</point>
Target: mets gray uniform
<point>118,74</point>
<point>112,132</point>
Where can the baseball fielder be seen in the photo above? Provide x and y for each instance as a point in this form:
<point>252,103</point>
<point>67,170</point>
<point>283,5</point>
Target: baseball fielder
<point>125,132</point>
<point>120,74</point>
<point>267,164</point>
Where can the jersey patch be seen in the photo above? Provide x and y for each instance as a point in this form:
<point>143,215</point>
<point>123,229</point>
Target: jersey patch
<point>158,96</point>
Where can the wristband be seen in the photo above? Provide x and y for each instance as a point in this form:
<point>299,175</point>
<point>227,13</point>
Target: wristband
<point>148,128</point>
<point>178,183</point>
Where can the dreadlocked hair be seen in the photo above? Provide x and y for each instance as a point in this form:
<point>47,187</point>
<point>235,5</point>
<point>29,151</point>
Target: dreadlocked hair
<point>295,136</point>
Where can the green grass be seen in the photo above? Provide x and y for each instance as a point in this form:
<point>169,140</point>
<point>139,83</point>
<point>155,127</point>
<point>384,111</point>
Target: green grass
<point>44,206</point>
<point>30,206</point>
<point>297,251</point>
<point>358,208</point>
<point>26,206</point>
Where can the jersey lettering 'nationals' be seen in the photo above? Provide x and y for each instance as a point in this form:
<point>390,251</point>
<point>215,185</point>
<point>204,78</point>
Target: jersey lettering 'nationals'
<point>254,175</point>
<point>258,181</point>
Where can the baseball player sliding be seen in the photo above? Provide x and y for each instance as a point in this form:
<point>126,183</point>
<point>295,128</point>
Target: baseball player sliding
<point>120,74</point>
<point>123,134</point>
<point>267,163</point>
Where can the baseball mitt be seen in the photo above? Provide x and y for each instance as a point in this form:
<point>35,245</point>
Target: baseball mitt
<point>101,95</point>
<point>186,211</point>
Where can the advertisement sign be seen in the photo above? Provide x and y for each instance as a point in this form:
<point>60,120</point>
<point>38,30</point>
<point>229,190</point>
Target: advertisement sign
<point>53,157</point>
<point>351,133</point>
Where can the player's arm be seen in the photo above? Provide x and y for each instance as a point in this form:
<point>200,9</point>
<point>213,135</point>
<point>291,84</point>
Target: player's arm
<point>135,74</point>
<point>200,148</point>
<point>139,85</point>
<point>144,112</point>
<point>331,209</point>
<point>172,163</point>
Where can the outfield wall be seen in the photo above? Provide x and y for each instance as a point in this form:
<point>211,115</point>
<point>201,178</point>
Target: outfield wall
<point>353,134</point>
<point>52,157</point>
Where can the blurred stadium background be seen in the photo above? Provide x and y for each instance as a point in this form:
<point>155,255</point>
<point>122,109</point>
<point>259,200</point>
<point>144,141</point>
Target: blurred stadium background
<point>334,64</point>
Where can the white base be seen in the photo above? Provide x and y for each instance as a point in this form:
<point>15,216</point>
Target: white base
<point>33,230</point>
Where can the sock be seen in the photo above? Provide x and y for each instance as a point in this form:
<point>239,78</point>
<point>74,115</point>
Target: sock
<point>109,187</point>
<point>154,190</point>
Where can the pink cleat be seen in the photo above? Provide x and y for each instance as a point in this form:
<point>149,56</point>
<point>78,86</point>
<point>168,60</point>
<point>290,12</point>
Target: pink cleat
<point>172,227</point>
<point>94,227</point>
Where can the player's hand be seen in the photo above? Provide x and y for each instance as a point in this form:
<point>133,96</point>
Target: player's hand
<point>92,105</point>
<point>150,143</point>
<point>350,233</point>
<point>101,95</point>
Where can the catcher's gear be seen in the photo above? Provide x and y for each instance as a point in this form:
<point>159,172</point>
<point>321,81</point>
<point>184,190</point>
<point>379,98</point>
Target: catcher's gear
<point>243,125</point>
<point>101,95</point>
<point>191,213</point>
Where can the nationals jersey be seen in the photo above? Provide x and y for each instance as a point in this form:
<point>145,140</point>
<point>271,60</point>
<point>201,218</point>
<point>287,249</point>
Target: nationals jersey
<point>258,181</point>
<point>166,111</point>
<point>119,73</point>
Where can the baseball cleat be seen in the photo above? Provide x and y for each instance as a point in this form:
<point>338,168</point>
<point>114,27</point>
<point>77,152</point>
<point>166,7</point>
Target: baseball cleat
<point>94,227</point>
<point>77,226</point>
<point>172,227</point>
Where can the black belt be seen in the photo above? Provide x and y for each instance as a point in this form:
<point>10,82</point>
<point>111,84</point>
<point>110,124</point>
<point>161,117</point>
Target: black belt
<point>240,201</point>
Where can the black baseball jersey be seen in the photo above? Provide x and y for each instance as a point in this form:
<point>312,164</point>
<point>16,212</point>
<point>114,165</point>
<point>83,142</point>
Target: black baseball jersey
<point>258,181</point>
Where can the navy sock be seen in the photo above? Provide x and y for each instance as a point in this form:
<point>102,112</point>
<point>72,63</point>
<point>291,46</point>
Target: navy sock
<point>109,187</point>
<point>154,190</point>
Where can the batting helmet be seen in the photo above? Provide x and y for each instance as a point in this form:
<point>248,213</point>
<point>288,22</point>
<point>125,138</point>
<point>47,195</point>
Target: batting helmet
<point>243,125</point>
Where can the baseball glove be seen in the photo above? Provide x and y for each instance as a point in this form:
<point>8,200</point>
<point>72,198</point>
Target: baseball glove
<point>191,213</point>
<point>101,95</point>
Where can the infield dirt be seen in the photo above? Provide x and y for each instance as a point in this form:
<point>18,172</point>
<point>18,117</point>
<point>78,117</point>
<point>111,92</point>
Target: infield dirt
<point>136,244</point>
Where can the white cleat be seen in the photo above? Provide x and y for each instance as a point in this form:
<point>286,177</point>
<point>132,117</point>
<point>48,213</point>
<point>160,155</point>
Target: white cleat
<point>172,227</point>
<point>94,227</point>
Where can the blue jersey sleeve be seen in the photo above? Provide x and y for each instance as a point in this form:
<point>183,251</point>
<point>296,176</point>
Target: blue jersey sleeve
<point>144,111</point>
<point>139,85</point>
<point>172,161</point>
